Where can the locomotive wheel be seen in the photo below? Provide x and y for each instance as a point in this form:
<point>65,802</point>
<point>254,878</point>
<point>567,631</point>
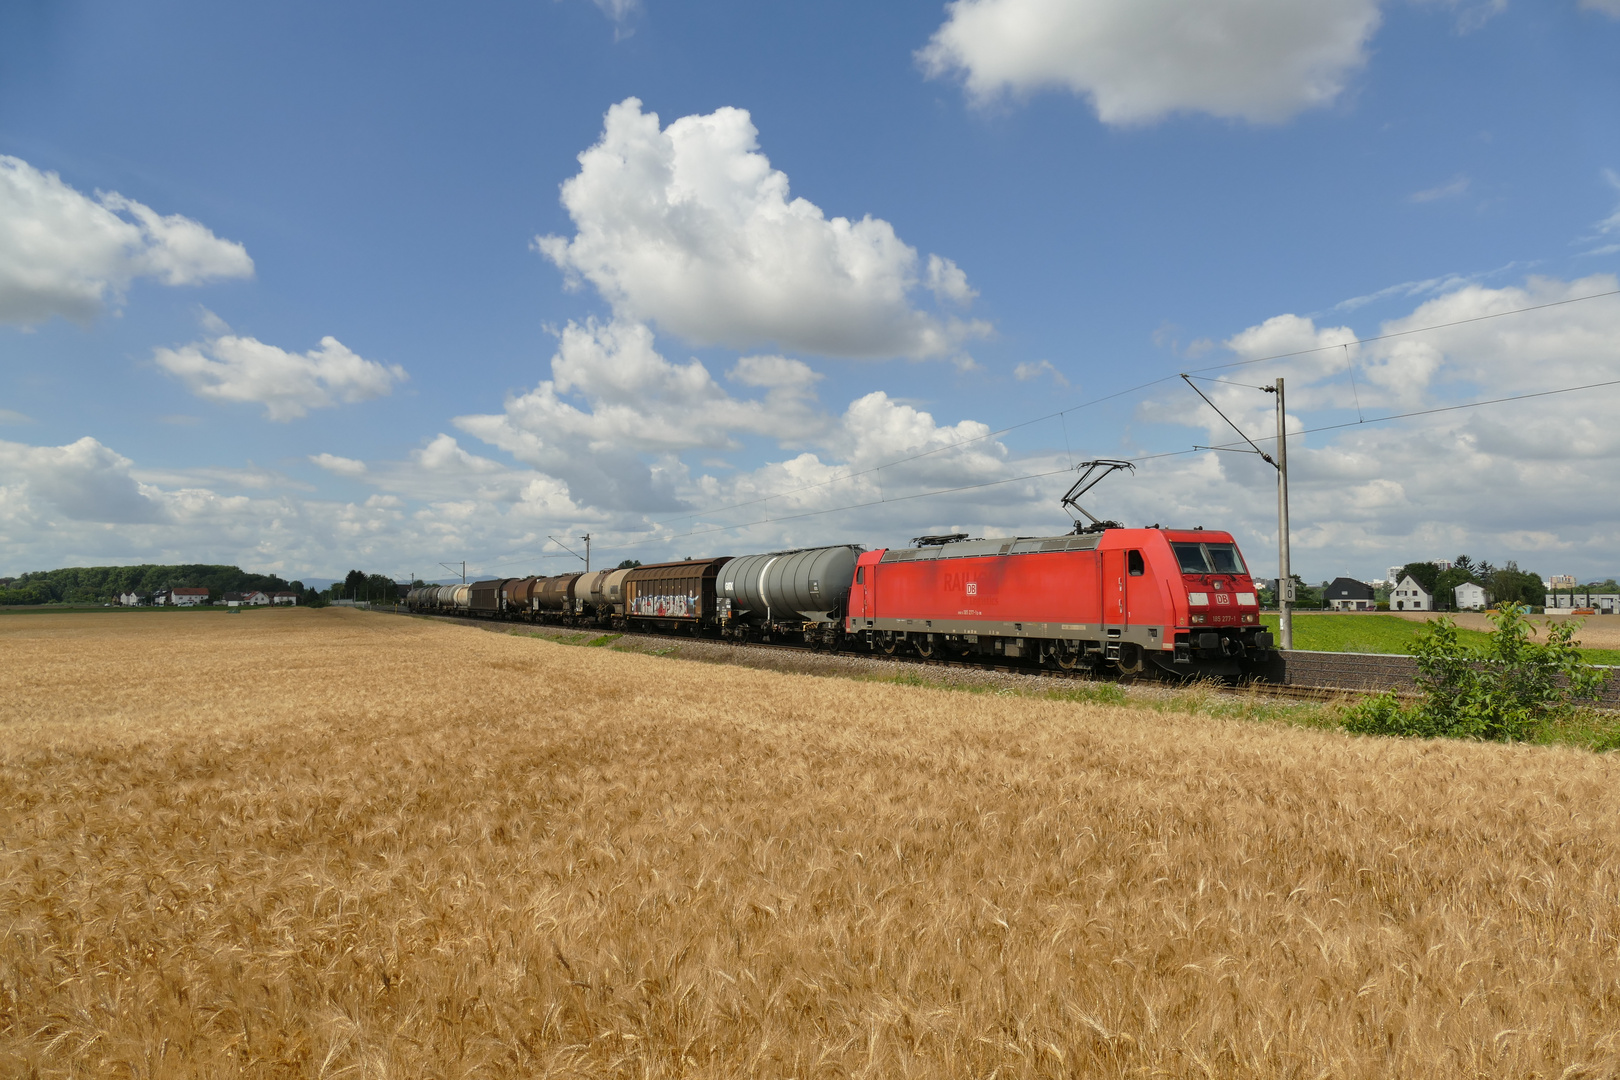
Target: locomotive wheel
<point>1067,661</point>
<point>889,644</point>
<point>1131,662</point>
<point>925,649</point>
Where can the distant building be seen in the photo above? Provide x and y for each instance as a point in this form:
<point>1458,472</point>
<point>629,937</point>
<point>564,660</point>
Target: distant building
<point>280,598</point>
<point>180,597</point>
<point>1471,597</point>
<point>1602,603</point>
<point>1393,575</point>
<point>131,599</point>
<point>1562,581</point>
<point>1408,595</point>
<point>1348,594</point>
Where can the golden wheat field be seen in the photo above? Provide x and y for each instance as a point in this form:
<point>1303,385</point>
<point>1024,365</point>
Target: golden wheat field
<point>342,844</point>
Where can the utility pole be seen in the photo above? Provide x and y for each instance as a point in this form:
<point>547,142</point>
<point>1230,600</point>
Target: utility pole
<point>452,567</point>
<point>1285,574</point>
<point>575,554</point>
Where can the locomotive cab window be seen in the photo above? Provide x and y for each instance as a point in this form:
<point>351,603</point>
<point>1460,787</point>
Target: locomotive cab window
<point>860,575</point>
<point>1134,564</point>
<point>1191,557</point>
<point>1225,558</point>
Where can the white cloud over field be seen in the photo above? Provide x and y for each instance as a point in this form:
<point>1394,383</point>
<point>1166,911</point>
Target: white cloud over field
<point>597,447</point>
<point>64,253</point>
<point>1140,60</point>
<point>242,369</point>
<point>690,228</point>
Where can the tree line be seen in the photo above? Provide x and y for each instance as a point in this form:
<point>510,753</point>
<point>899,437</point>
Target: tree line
<point>104,584</point>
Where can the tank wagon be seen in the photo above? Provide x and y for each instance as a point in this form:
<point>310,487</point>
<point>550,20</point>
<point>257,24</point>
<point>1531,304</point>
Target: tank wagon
<point>797,595</point>
<point>1120,598</point>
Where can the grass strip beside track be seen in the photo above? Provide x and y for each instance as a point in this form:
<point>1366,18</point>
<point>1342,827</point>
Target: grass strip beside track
<point>1375,632</point>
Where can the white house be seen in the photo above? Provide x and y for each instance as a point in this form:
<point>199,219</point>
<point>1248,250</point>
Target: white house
<point>1471,597</point>
<point>186,597</point>
<point>131,599</point>
<point>255,598</point>
<point>284,598</point>
<point>1408,595</point>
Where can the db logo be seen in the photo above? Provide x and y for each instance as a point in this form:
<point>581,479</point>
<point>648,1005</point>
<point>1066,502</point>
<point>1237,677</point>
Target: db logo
<point>1222,598</point>
<point>973,588</point>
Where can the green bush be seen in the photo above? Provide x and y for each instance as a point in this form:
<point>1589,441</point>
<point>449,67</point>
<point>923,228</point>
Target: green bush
<point>1508,690</point>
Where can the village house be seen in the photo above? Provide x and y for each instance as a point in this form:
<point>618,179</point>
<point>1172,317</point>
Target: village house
<point>1408,595</point>
<point>280,598</point>
<point>1348,594</point>
<point>1471,597</point>
<point>179,597</point>
<point>131,599</point>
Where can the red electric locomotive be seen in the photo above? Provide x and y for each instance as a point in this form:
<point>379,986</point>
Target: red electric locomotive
<point>1182,600</point>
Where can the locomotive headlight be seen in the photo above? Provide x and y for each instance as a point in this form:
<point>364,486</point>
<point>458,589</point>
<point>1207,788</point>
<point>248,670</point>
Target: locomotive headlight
<point>1198,599</point>
<point>1246,598</point>
<point>1199,618</point>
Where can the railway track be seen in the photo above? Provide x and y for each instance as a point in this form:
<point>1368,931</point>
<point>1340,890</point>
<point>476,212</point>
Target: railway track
<point>1252,687</point>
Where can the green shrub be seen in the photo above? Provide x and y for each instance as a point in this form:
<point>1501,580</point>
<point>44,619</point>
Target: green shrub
<point>1508,690</point>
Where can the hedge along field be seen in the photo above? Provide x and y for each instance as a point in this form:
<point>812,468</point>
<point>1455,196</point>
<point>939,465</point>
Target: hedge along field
<point>350,844</point>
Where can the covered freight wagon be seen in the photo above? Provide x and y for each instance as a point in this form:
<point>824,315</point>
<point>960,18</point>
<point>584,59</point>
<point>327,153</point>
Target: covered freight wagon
<point>670,595</point>
<point>485,597</point>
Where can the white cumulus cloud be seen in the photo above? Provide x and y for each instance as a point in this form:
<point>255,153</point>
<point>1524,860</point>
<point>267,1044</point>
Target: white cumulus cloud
<point>288,385</point>
<point>689,227</point>
<point>613,397</point>
<point>1608,7</point>
<point>1140,60</point>
<point>1026,371</point>
<point>64,253</point>
<point>83,481</point>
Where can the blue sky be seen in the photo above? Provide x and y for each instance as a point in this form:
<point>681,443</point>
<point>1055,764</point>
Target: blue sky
<point>276,286</point>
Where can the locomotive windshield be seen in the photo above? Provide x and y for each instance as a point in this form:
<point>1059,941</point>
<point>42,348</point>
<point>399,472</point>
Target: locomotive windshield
<point>1209,558</point>
<point>1191,557</point>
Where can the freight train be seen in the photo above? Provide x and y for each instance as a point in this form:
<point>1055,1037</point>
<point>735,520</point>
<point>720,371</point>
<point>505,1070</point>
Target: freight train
<point>1104,599</point>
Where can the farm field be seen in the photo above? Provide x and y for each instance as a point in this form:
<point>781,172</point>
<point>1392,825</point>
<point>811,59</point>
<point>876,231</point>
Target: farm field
<point>1382,632</point>
<point>350,844</point>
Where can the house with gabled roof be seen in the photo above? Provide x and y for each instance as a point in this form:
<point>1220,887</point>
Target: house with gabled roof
<point>1348,594</point>
<point>1408,595</point>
